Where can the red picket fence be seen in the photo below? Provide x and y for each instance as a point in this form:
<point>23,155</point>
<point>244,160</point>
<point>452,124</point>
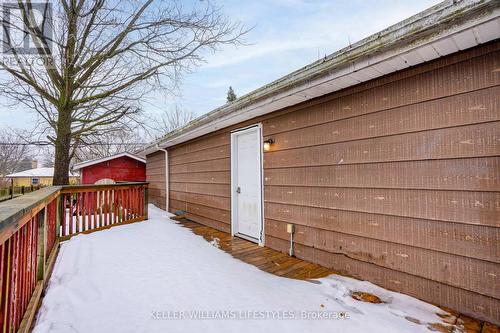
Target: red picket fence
<point>32,226</point>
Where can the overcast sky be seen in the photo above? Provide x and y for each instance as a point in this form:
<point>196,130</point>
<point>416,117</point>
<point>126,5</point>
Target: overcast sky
<point>287,35</point>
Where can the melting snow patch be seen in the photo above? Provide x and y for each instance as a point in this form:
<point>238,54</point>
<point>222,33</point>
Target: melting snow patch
<point>215,242</point>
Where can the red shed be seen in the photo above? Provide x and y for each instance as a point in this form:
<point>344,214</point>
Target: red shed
<point>122,167</point>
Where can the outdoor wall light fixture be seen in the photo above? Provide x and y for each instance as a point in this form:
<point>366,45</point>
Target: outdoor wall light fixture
<point>267,144</point>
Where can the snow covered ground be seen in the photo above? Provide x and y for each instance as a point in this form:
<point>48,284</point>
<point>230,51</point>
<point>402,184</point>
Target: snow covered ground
<point>156,276</point>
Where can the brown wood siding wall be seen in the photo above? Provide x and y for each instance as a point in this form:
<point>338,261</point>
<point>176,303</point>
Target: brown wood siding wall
<point>155,175</point>
<point>396,181</point>
<point>200,179</point>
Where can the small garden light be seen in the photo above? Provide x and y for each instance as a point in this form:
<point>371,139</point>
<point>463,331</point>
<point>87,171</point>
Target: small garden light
<point>267,144</point>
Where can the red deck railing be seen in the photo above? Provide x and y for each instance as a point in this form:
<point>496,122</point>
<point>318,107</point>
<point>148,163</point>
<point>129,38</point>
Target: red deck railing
<point>32,226</point>
<point>88,208</point>
<point>19,266</point>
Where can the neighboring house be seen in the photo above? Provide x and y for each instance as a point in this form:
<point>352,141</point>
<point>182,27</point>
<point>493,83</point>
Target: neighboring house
<point>122,167</point>
<point>24,164</point>
<point>384,156</point>
<point>37,177</point>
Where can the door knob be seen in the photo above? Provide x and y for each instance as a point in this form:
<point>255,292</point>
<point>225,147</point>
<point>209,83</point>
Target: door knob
<point>238,189</point>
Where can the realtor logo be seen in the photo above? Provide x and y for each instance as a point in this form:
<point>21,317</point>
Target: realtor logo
<point>27,28</point>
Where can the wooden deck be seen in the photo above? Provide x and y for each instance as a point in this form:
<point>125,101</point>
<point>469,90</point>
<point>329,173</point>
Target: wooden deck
<point>264,258</point>
<point>283,265</point>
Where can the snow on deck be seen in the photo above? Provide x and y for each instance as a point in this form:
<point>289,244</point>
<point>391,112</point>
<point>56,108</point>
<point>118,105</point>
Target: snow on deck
<point>157,276</point>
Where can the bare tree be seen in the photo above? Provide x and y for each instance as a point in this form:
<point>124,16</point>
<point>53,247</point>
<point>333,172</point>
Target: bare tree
<point>231,96</point>
<point>12,154</point>
<point>174,118</point>
<point>48,158</point>
<point>96,61</point>
<point>110,143</point>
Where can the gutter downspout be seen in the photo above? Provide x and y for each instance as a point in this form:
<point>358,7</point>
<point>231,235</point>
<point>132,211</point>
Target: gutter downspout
<point>167,183</point>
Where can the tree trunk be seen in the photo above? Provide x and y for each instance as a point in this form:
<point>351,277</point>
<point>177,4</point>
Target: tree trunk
<point>62,148</point>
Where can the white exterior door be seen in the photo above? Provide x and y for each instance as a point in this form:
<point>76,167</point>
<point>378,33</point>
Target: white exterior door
<point>246,183</point>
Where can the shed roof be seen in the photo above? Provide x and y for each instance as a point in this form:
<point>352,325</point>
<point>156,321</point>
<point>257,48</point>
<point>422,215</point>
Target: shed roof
<point>84,164</point>
<point>446,28</point>
<point>37,172</point>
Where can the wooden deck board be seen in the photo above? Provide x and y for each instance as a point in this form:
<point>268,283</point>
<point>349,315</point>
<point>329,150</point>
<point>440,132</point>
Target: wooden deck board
<point>264,258</point>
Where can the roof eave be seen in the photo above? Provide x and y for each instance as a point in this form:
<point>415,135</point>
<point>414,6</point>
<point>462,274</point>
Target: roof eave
<point>81,165</point>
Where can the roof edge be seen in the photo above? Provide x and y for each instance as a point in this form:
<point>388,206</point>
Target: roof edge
<point>21,175</point>
<point>84,164</point>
